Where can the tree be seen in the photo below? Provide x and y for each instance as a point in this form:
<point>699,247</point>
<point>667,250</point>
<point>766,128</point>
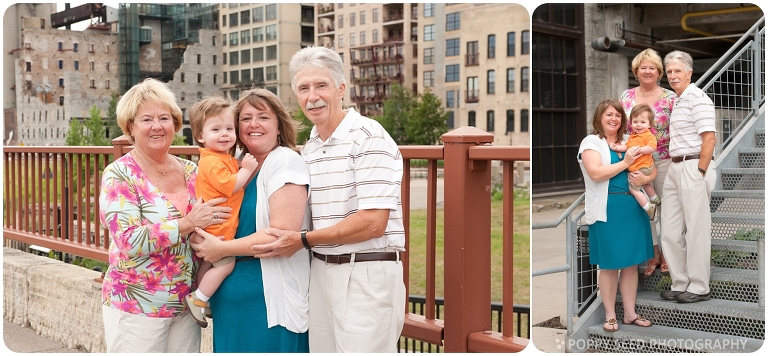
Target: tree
<point>88,133</point>
<point>111,119</point>
<point>304,127</point>
<point>414,119</point>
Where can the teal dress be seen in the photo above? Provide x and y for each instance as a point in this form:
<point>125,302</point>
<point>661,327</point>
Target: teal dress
<point>238,307</point>
<point>624,239</point>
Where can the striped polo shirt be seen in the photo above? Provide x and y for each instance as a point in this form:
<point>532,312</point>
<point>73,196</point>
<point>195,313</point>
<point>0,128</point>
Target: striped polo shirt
<point>693,114</point>
<point>359,167</point>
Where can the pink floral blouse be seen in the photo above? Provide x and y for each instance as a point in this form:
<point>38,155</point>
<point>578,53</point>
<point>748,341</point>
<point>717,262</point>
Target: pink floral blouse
<point>151,266</point>
<point>662,109</point>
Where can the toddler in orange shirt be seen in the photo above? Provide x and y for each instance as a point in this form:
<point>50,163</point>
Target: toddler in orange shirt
<point>641,120</point>
<point>214,127</point>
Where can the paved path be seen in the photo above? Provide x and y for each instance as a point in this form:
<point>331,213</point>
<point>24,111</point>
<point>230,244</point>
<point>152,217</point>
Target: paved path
<point>19,339</point>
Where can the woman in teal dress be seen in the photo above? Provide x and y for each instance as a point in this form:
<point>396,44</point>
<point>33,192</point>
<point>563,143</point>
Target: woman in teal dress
<point>262,305</point>
<point>619,229</point>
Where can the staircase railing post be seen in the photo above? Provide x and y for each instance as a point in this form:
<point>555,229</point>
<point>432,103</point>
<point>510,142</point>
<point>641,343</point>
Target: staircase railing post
<point>467,238</point>
<point>119,143</point>
<point>761,272</point>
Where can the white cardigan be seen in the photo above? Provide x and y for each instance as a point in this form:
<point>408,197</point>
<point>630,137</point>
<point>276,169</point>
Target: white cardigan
<point>596,195</point>
<point>286,279</point>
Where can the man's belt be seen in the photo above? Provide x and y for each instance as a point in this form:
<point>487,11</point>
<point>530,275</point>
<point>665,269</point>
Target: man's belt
<point>359,257</point>
<point>685,158</point>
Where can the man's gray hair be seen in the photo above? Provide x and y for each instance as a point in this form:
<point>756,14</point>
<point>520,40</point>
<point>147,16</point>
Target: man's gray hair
<point>320,57</point>
<point>679,56</point>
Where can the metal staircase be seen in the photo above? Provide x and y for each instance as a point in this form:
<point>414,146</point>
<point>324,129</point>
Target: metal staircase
<point>734,319</point>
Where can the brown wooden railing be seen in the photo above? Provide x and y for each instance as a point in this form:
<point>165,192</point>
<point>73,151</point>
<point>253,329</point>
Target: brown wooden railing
<point>51,200</point>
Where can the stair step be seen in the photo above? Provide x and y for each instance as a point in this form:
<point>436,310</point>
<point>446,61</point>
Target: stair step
<point>738,201</point>
<point>726,317</point>
<point>760,137</point>
<point>725,283</point>
<point>737,254</point>
<point>743,178</point>
<point>752,157</point>
<point>664,339</point>
<point>730,226</point>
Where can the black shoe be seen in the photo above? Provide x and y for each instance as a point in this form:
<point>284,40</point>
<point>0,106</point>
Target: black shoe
<point>670,294</point>
<point>689,297</point>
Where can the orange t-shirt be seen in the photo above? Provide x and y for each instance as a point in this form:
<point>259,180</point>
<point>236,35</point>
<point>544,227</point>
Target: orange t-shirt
<point>644,139</point>
<point>216,177</point>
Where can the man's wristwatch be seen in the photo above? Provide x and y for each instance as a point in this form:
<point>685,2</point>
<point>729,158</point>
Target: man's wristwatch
<point>703,172</point>
<point>304,240</point>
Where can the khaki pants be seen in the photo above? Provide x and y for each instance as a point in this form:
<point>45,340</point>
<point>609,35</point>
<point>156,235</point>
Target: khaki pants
<point>125,332</point>
<point>662,166</point>
<point>686,227</point>
<point>356,307</point>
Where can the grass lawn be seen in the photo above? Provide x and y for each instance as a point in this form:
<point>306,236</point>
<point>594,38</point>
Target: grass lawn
<point>521,272</point>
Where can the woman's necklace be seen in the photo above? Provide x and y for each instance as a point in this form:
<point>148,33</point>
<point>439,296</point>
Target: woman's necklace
<point>646,94</point>
<point>170,163</point>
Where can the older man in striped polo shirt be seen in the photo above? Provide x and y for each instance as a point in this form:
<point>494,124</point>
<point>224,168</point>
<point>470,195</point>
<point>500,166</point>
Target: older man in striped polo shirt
<point>686,229</point>
<point>356,291</point>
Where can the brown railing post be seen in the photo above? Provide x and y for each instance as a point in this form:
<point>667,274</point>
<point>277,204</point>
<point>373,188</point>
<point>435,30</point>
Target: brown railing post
<point>467,238</point>
<point>119,143</point>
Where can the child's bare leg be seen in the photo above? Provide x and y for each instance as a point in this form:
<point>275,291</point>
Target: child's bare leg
<point>640,197</point>
<point>213,278</point>
<point>648,188</point>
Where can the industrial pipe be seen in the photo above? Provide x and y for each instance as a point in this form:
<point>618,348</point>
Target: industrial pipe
<point>685,17</point>
<point>604,44</point>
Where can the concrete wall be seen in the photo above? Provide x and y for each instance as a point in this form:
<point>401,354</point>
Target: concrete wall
<point>57,300</point>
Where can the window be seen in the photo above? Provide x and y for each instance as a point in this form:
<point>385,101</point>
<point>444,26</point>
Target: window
<point>429,78</point>
<point>199,95</point>
<point>473,58</point>
<point>271,32</point>
<point>224,20</point>
<point>61,46</point>
<point>199,78</point>
<point>93,83</point>
<point>491,82</point>
<point>471,119</point>
<point>429,10</point>
<point>213,41</point>
<point>351,19</point>
<point>232,20</point>
<point>452,21</point>
<point>351,39</point>
<point>449,121</point>
<point>473,89</point>
<point>234,58</point>
<point>526,43</point>
<point>258,54</point>
<point>449,99</point>
<point>510,80</point>
<point>215,78</point>
<point>429,33</point>
<point>90,48</point>
<point>224,39</point>
<point>271,52</point>
<point>340,21</point>
<point>74,47</point>
<point>245,17</point>
<point>375,36</point>
<point>214,59</point>
<point>271,12</point>
<point>490,121</point>
<point>225,60</point>
<point>510,121</point>
<point>510,44</point>
<point>61,64</point>
<point>245,56</point>
<point>524,120</point>
<point>225,75</point>
<point>199,58</point>
<point>258,14</point>
<point>258,34</point>
<point>233,39</point>
<point>524,79</point>
<point>106,66</point>
<point>452,47</point>
<point>491,46</point>
<point>341,41</point>
<point>61,82</point>
<point>91,66</point>
<point>182,77</point>
<point>272,73</point>
<point>362,17</point>
<point>106,84</point>
<point>452,73</point>
<point>245,36</point>
<point>375,15</point>
<point>362,38</point>
<point>429,55</point>
<point>233,76</point>
<point>258,75</point>
<point>245,76</point>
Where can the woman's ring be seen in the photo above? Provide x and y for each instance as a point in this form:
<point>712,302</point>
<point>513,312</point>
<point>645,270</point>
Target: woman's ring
<point>215,215</point>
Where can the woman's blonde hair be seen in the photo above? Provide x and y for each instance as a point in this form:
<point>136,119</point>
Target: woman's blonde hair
<point>649,55</point>
<point>148,90</point>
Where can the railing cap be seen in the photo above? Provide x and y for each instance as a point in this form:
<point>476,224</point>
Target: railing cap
<point>467,134</point>
<point>121,140</point>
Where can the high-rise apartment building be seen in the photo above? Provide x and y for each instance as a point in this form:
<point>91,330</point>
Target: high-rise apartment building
<point>474,57</point>
<point>258,41</point>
